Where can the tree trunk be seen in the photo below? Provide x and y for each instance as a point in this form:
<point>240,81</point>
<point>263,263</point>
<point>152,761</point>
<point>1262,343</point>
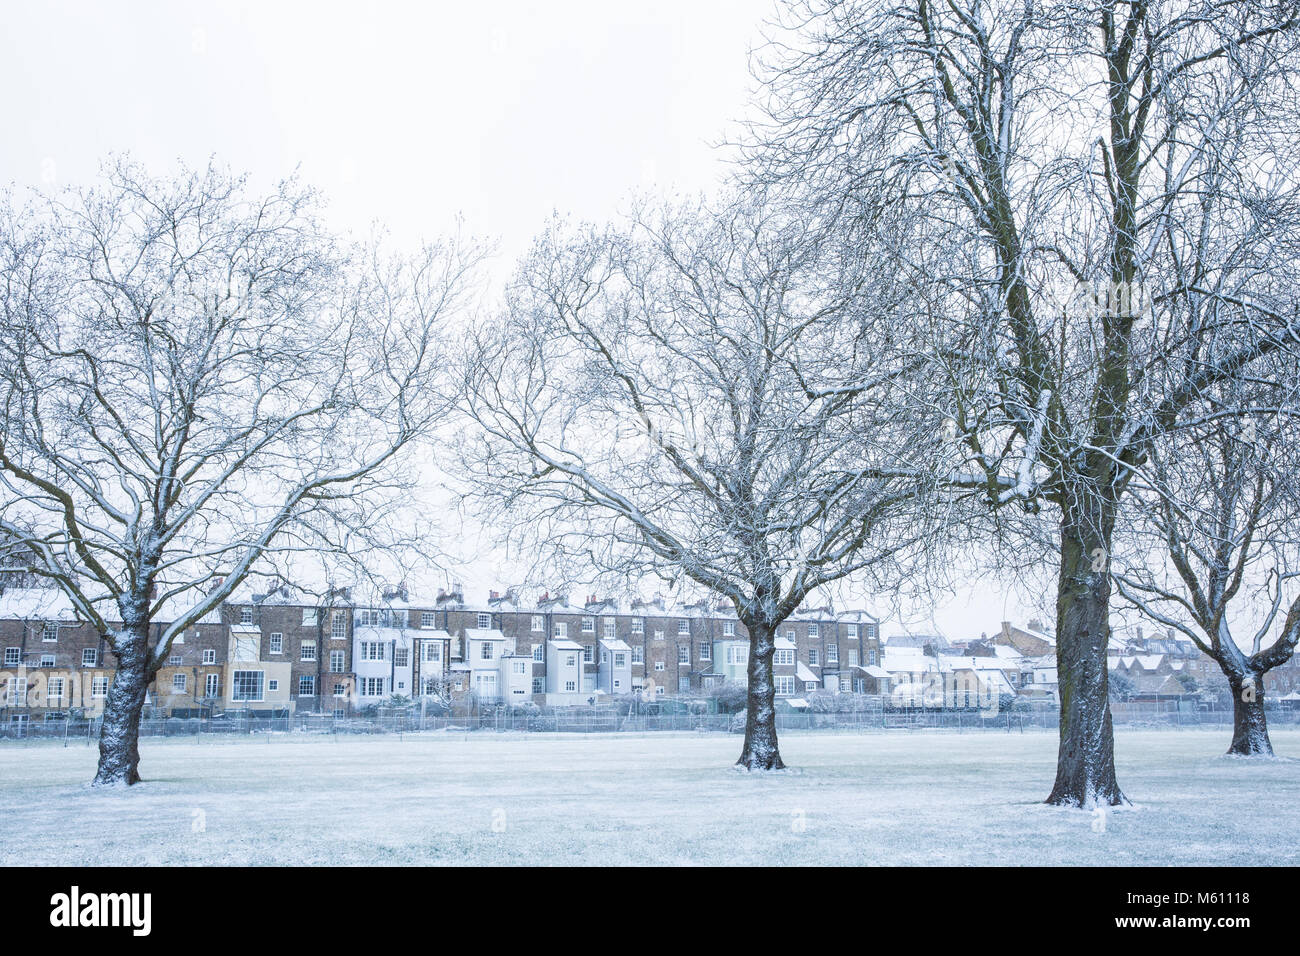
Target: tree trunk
<point>1249,725</point>
<point>1085,764</point>
<point>760,751</point>
<point>119,735</point>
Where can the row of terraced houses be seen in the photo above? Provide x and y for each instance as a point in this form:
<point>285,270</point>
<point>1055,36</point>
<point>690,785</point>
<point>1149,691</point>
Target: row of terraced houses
<point>285,652</point>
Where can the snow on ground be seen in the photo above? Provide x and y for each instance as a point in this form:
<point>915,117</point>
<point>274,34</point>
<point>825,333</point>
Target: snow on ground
<point>880,798</point>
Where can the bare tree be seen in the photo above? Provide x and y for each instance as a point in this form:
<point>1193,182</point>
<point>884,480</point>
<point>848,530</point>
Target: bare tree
<point>198,382</point>
<point>685,397</point>
<point>1103,207</point>
<point>1223,508</point>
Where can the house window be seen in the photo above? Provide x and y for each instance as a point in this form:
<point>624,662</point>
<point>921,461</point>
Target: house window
<point>539,685</point>
<point>178,683</point>
<point>783,657</point>
<point>308,650</point>
<point>659,635</point>
<point>683,684</point>
<point>47,660</point>
<point>683,627</point>
<point>638,626</point>
<point>485,621</point>
<point>539,623</point>
<point>368,617</point>
<point>871,656</point>
<point>13,655</point>
<point>683,653</point>
<point>620,659</point>
<point>307,686</point>
<point>789,634</point>
<point>570,660</point>
<point>372,687</point>
<point>812,656</point>
<point>609,628</point>
<point>561,629</point>
<point>51,632</point>
<point>310,616</point>
<point>485,651</point>
<point>588,653</point>
<point>336,662</point>
<point>519,667</point>
<point>539,653</point>
<point>339,626</point>
<point>814,630</point>
<point>209,656</point>
<point>272,685</point>
<point>569,685</point>
<point>401,656</point>
<point>588,625</point>
<point>340,690</point>
<point>617,683</point>
<point>432,652</point>
<point>18,692</point>
<point>89,657</point>
<point>737,654</point>
<point>853,657</point>
<point>784,686</point>
<point>99,685</point>
<point>54,689</point>
<point>659,665</point>
<point>277,642</point>
<point>426,619</point>
<point>212,686</point>
<point>729,628</point>
<point>174,660</point>
<point>852,631</point>
<point>246,685</point>
<point>245,615</point>
<point>372,650</point>
<point>660,691</point>
<point>638,655</point>
<point>705,652</point>
<point>832,653</point>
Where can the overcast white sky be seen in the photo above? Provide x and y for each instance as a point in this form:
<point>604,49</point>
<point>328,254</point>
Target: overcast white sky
<point>402,113</point>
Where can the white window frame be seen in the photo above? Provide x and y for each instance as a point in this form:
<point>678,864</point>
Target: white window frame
<point>276,645</point>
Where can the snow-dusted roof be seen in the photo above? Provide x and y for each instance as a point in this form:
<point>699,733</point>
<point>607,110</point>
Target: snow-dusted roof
<point>615,645</point>
<point>563,644</point>
<point>784,644</point>
<point>483,634</point>
<point>805,674</point>
<point>874,670</point>
<point>49,604</point>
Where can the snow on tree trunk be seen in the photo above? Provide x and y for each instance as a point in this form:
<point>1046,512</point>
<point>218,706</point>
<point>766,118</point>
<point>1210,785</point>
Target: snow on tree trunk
<point>760,751</point>
<point>1249,725</point>
<point>119,738</point>
<point>1085,768</point>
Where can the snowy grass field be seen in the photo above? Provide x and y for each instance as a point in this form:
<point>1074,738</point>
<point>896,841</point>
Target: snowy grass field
<point>881,798</point>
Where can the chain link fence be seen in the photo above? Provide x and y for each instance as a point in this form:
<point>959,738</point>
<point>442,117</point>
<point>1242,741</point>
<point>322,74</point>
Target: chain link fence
<point>867,716</point>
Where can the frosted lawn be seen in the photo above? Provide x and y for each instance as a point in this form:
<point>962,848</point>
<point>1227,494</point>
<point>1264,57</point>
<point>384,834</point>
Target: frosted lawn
<point>896,798</point>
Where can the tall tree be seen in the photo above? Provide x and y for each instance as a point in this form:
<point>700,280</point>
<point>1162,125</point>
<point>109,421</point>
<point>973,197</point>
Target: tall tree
<point>686,396</point>
<point>196,381</point>
<point>1105,197</point>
